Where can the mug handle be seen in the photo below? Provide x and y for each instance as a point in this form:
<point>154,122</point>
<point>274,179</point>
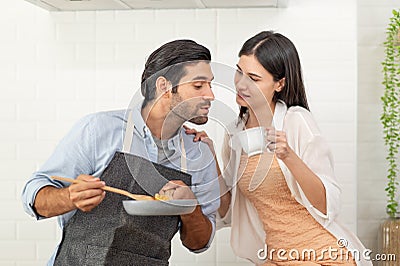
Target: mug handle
<point>267,143</point>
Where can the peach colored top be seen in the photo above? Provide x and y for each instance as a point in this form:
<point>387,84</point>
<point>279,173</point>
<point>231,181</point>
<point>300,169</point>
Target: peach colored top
<point>288,224</point>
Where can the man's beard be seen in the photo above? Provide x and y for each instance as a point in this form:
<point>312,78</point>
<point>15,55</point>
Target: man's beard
<point>200,120</point>
<point>196,119</point>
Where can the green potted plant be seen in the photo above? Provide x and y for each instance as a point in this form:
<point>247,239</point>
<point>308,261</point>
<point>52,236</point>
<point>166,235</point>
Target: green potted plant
<point>390,229</point>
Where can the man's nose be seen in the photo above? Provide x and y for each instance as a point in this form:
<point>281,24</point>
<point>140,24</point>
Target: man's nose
<point>209,94</point>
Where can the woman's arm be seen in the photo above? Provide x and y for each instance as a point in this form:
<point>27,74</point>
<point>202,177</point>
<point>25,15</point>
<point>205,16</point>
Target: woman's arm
<point>309,182</point>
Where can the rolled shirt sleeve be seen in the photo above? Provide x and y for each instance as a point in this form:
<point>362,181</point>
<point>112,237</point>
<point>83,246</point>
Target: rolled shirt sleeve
<point>319,159</point>
<point>305,138</point>
<point>69,159</point>
<point>30,191</point>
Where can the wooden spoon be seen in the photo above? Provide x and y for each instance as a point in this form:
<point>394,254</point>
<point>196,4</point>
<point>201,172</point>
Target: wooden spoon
<point>107,188</point>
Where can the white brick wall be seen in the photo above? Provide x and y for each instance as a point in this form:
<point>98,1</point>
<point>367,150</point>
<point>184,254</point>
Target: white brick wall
<point>57,67</point>
<point>373,17</point>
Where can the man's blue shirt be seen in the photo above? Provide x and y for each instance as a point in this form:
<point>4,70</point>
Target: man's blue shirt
<point>91,144</point>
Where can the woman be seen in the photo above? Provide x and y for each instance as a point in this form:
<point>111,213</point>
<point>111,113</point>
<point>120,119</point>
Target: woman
<point>282,206</point>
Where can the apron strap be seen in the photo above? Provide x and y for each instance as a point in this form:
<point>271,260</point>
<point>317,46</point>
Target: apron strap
<point>183,156</point>
<point>128,137</point>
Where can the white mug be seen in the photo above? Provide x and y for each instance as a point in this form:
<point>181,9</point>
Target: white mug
<point>253,140</point>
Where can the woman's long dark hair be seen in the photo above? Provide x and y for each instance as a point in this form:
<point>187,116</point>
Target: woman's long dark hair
<point>278,55</point>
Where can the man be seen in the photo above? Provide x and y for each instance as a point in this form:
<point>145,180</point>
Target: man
<point>96,230</point>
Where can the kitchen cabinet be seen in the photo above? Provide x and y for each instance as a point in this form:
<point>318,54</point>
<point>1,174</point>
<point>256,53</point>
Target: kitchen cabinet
<point>76,5</point>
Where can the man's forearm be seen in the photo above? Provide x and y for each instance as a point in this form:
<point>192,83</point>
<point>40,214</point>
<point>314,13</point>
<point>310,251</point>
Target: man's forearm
<point>51,201</point>
<point>196,229</point>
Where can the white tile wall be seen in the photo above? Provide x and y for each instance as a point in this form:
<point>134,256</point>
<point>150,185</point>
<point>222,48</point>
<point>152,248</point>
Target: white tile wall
<point>373,17</point>
<point>57,67</point>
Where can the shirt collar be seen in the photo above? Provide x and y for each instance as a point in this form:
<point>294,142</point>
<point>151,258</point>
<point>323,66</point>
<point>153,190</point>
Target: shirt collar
<point>279,115</point>
<point>140,126</point>
<point>143,131</point>
<point>174,143</point>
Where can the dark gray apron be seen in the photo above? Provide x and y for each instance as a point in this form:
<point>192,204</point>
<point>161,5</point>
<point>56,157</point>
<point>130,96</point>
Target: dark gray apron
<point>107,235</point>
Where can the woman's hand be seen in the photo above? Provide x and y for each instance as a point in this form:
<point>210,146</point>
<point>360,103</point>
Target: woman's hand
<point>277,143</point>
<point>200,136</point>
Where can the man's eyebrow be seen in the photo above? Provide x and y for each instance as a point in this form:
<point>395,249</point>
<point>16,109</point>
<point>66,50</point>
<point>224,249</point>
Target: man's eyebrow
<point>201,78</point>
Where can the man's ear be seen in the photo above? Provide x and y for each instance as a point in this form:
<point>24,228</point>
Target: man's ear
<point>280,84</point>
<point>163,86</point>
